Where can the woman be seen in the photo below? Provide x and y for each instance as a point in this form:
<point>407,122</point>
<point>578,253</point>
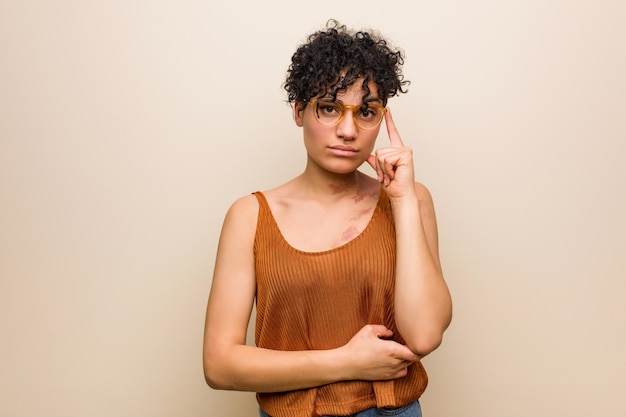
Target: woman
<point>344,267</point>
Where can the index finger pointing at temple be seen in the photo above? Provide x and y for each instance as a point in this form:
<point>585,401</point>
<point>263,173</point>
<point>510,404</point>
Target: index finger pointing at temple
<point>392,131</point>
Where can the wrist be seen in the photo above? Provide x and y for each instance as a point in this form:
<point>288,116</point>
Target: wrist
<point>341,364</point>
<point>406,202</point>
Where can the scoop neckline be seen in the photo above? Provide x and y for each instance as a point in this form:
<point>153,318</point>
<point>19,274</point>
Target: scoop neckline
<point>373,217</point>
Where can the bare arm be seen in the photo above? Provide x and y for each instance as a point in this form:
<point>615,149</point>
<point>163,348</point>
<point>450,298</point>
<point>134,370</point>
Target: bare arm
<point>423,306</point>
<point>230,364</point>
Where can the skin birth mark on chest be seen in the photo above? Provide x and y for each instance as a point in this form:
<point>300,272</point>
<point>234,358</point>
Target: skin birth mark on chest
<point>360,195</point>
<point>358,214</point>
<point>349,234</point>
<point>339,188</point>
<point>352,230</point>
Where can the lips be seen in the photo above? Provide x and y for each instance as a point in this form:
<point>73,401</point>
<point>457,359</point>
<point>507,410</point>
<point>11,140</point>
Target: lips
<point>342,150</point>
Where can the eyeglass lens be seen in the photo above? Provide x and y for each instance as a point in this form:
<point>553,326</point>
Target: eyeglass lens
<point>329,113</point>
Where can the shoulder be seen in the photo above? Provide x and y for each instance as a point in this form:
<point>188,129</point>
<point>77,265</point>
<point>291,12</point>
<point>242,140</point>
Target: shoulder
<point>244,206</point>
<point>242,213</point>
<point>424,198</point>
<point>423,193</point>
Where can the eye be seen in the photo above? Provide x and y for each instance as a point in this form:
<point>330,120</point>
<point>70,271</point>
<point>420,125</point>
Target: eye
<point>329,109</point>
<point>370,112</point>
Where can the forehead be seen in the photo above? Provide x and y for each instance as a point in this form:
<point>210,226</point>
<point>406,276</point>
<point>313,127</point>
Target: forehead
<point>355,92</point>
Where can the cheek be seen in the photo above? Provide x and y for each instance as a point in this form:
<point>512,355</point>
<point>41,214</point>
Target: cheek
<point>313,130</point>
<point>370,139</point>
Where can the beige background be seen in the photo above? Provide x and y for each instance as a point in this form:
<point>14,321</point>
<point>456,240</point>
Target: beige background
<point>128,127</point>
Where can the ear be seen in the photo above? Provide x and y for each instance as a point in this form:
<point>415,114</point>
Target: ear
<point>298,108</point>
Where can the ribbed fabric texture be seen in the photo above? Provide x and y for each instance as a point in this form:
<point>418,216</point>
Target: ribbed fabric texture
<point>319,300</point>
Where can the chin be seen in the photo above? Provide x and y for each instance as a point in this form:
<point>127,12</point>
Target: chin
<point>343,169</point>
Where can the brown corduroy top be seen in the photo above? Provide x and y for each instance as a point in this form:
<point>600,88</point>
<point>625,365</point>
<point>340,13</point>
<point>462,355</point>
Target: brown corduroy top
<point>319,300</point>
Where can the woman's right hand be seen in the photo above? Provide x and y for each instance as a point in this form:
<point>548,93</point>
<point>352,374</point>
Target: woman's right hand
<point>373,358</point>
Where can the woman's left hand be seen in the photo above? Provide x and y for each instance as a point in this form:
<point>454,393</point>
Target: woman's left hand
<point>394,164</point>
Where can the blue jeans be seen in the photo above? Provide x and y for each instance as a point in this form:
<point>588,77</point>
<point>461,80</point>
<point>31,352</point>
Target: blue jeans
<point>410,410</point>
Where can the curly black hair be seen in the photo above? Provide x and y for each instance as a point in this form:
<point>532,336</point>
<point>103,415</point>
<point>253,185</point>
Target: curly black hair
<point>335,58</point>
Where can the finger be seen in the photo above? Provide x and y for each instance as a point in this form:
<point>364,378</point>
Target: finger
<point>389,169</point>
<point>408,357</point>
<point>388,163</point>
<point>392,131</point>
<point>371,160</point>
<point>381,331</point>
<point>403,353</point>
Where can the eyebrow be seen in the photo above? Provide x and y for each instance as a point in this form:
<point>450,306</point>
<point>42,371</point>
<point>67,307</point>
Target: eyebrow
<point>369,100</point>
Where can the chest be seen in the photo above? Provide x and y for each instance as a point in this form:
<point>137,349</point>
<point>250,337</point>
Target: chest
<point>315,227</point>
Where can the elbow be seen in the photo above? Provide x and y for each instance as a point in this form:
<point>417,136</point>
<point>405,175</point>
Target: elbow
<point>429,338</point>
<point>211,379</point>
<point>425,344</point>
<point>422,339</point>
<point>214,381</point>
<point>214,374</point>
<point>210,376</point>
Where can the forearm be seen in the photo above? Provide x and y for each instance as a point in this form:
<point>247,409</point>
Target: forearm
<point>249,368</point>
<point>368,356</point>
<point>422,301</point>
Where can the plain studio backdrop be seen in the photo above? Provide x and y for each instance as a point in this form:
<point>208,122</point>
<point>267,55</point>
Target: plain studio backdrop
<point>127,128</point>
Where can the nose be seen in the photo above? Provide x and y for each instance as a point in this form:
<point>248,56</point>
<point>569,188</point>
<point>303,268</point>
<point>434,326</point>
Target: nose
<point>346,128</point>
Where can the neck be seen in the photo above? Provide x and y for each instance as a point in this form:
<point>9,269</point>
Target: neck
<point>333,186</point>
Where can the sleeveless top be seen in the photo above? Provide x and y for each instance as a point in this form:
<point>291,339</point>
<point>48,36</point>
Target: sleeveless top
<point>319,300</point>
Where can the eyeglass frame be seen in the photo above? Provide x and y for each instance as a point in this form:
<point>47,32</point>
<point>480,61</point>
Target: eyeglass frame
<point>352,108</point>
